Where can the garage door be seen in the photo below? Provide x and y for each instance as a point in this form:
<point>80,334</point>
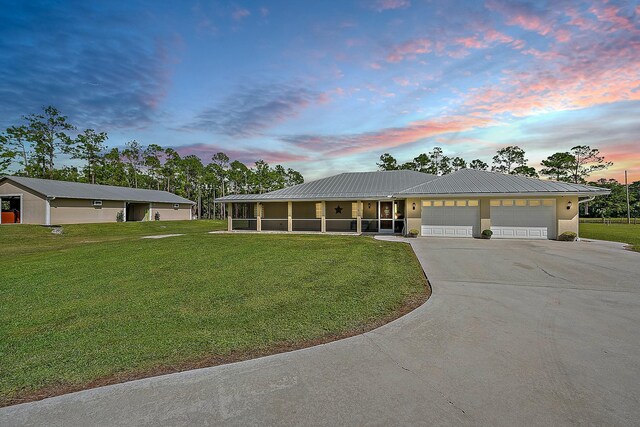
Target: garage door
<point>450,218</point>
<point>523,219</point>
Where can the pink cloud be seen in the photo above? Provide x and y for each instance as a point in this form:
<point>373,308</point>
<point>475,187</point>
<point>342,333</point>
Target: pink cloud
<point>247,156</point>
<point>611,15</point>
<point>381,5</point>
<point>409,50</point>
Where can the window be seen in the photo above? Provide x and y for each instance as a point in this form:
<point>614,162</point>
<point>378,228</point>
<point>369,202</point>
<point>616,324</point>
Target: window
<point>534,202</point>
<point>426,203</point>
<point>437,203</point>
<point>472,202</point>
<point>547,202</point>
<point>507,203</point>
<point>461,203</point>
<point>97,203</point>
<point>495,203</point>
<point>521,203</point>
<point>449,203</point>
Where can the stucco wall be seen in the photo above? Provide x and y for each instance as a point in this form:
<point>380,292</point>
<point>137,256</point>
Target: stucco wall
<point>306,210</point>
<point>275,210</point>
<point>348,208</point>
<point>568,219</point>
<point>485,214</point>
<point>33,205</point>
<point>414,217</point>
<point>81,211</point>
<point>168,213</point>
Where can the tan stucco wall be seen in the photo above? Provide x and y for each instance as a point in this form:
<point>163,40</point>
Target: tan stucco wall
<point>168,213</point>
<point>275,210</point>
<point>80,211</point>
<point>485,214</point>
<point>370,212</point>
<point>414,217</point>
<point>347,209</point>
<point>568,219</point>
<point>305,210</point>
<point>33,205</point>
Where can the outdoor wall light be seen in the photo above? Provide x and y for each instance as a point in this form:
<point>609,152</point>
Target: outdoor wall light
<point>413,206</point>
<point>569,204</point>
<point>369,205</point>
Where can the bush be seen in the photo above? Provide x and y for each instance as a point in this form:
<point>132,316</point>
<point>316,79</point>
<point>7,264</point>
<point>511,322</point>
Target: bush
<point>486,234</point>
<point>157,216</point>
<point>568,236</point>
<point>413,233</point>
<point>120,216</point>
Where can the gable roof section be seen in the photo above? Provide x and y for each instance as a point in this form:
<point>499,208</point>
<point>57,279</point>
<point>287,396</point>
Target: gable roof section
<point>471,181</point>
<point>77,190</point>
<point>352,185</point>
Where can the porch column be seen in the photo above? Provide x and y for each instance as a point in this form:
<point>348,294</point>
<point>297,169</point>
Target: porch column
<point>289,215</point>
<point>229,217</point>
<point>47,212</point>
<point>323,217</point>
<point>358,216</point>
<point>150,211</point>
<point>258,216</point>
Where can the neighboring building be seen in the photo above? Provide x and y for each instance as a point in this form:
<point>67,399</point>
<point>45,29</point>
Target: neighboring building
<point>461,204</point>
<point>43,201</point>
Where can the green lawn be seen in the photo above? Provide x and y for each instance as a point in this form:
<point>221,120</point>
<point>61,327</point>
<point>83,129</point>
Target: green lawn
<point>97,303</point>
<point>626,233</point>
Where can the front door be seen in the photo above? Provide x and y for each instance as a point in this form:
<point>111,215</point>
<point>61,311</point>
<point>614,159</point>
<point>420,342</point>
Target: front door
<point>386,217</point>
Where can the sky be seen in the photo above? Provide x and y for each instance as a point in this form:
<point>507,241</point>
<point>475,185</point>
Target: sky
<point>327,87</point>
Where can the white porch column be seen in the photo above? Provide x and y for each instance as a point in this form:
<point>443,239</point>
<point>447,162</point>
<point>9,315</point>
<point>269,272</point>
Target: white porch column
<point>258,216</point>
<point>289,216</point>
<point>358,216</point>
<point>150,211</point>
<point>124,212</point>
<point>323,218</point>
<point>229,217</point>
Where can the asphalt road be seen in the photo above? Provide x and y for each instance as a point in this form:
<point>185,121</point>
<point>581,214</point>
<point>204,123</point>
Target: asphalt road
<point>515,333</point>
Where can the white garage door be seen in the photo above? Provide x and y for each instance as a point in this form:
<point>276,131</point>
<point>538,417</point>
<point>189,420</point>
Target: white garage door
<point>450,218</point>
<point>523,219</point>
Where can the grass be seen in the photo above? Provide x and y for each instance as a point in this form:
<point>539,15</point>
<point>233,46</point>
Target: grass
<point>98,304</point>
<point>625,233</point>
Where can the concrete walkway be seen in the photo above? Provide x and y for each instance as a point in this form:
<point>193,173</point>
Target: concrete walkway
<point>516,333</point>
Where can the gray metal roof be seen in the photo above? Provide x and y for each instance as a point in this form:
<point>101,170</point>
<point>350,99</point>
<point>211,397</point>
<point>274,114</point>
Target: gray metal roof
<point>364,185</point>
<point>77,190</point>
<point>352,185</point>
<point>471,181</point>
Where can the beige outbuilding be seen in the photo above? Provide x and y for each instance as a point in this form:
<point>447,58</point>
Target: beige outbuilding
<point>48,202</point>
<point>461,204</point>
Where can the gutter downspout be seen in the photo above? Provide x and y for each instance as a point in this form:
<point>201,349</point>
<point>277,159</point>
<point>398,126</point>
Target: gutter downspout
<point>588,199</point>
<point>47,210</point>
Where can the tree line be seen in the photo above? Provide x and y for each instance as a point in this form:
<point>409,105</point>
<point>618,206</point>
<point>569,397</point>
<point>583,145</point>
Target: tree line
<point>574,165</point>
<point>35,147</point>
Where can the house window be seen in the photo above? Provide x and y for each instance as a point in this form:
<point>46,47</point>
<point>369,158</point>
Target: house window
<point>521,203</point>
<point>495,203</point>
<point>426,203</point>
<point>437,203</point>
<point>507,203</point>
<point>449,203</point>
<point>472,202</point>
<point>534,202</point>
<point>461,203</point>
<point>547,202</point>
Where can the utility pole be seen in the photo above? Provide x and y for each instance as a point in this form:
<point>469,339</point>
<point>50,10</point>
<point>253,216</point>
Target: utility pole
<point>626,184</point>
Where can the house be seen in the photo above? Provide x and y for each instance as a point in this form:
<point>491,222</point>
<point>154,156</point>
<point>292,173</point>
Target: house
<point>43,201</point>
<point>461,204</point>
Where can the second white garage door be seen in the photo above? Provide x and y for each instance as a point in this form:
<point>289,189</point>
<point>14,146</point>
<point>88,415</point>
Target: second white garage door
<point>523,219</point>
<point>450,218</point>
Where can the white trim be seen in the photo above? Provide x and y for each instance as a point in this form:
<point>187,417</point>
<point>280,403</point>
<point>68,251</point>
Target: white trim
<point>21,195</point>
<point>47,211</point>
<point>519,232</point>
<point>447,231</point>
<point>124,212</point>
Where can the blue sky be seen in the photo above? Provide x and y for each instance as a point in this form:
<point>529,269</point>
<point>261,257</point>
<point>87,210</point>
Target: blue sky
<point>326,87</point>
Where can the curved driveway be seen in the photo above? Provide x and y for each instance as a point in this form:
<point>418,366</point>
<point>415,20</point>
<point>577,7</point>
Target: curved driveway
<point>516,333</point>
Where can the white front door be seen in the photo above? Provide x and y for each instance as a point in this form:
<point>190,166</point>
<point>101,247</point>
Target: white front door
<point>450,218</point>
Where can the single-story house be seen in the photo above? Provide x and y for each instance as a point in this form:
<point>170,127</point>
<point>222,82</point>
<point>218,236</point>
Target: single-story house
<point>461,204</point>
<point>43,201</point>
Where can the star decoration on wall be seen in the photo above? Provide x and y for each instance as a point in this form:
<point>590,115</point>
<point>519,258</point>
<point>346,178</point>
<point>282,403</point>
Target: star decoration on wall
<point>338,209</point>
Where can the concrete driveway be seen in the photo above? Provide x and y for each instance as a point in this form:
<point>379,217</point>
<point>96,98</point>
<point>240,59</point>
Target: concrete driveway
<point>516,333</point>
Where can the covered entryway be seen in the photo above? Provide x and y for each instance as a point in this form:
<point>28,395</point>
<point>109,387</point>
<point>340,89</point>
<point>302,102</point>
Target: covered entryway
<point>137,212</point>
<point>450,218</point>
<point>523,218</point>
<point>10,209</point>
